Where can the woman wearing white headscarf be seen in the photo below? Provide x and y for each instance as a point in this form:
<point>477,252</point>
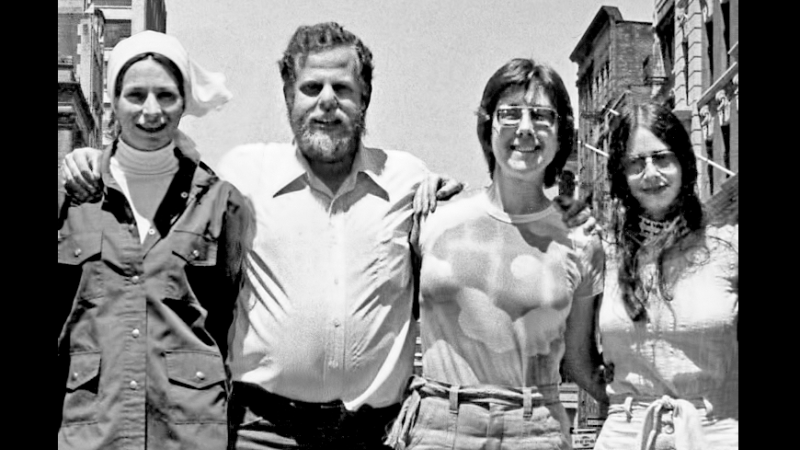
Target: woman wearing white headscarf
<point>152,270</point>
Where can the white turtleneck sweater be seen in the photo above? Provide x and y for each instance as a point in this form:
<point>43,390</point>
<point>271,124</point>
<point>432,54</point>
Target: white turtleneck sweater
<point>144,177</point>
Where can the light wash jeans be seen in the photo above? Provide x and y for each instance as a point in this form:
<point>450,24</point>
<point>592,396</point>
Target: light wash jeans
<point>622,428</point>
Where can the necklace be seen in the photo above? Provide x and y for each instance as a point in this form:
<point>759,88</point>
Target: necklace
<point>650,229</point>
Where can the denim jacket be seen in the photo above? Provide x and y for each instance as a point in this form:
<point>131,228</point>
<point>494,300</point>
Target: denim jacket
<point>143,326</point>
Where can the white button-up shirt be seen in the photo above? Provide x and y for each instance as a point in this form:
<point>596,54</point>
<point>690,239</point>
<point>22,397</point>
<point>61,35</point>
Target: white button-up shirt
<point>326,312</point>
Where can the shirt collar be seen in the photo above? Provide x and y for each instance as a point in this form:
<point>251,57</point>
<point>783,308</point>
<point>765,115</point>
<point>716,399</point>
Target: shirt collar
<point>367,166</point>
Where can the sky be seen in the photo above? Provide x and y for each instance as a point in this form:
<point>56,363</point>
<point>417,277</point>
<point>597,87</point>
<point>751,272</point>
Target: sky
<point>432,60</point>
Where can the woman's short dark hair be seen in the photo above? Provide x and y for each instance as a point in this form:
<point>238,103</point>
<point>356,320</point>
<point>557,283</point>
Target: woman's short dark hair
<point>686,208</point>
<point>527,73</point>
<point>167,63</point>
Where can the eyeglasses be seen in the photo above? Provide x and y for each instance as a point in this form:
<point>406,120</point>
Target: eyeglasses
<point>637,164</point>
<point>541,116</point>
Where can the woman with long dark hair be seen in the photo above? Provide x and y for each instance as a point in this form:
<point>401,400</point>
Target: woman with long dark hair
<point>667,319</point>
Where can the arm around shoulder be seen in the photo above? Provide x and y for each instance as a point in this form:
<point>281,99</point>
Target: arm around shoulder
<point>582,359</point>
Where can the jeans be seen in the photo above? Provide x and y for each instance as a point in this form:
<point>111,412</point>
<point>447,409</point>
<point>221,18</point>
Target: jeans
<point>623,428</point>
<point>439,416</point>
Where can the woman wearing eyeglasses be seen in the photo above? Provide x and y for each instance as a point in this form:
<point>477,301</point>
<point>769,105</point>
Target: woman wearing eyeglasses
<point>506,289</point>
<point>670,303</point>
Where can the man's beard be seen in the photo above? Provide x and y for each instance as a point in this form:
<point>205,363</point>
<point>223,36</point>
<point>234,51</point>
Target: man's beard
<point>320,146</point>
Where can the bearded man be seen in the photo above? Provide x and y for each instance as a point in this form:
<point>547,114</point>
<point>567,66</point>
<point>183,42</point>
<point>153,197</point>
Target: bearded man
<point>323,341</point>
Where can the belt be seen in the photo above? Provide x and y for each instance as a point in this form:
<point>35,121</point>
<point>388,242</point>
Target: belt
<point>282,409</point>
<point>485,395</point>
<point>685,421</point>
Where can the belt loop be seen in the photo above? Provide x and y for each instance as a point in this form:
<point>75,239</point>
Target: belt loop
<point>627,406</point>
<point>454,399</point>
<point>709,407</point>
<point>527,402</point>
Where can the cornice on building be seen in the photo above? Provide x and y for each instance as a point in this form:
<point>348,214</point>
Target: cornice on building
<point>73,108</point>
<point>717,99</point>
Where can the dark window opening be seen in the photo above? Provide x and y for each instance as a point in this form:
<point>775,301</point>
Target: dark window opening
<point>116,30</point>
<point>666,39</point>
<point>709,168</point>
<point>685,47</point>
<point>726,30</point>
<point>726,141</point>
<point>710,47</point>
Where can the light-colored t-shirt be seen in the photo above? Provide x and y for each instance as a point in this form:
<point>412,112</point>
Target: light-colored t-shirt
<point>689,347</point>
<point>496,290</point>
<point>326,313</point>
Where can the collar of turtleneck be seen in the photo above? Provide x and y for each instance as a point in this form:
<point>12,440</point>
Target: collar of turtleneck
<point>153,162</point>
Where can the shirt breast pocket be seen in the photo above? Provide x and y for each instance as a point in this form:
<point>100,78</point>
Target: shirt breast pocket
<point>79,270</point>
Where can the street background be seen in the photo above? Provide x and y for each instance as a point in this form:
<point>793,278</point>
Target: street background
<point>432,62</point>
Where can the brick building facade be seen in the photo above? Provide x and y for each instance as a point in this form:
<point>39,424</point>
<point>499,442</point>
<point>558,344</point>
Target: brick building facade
<point>689,53</point>
<point>613,58</point>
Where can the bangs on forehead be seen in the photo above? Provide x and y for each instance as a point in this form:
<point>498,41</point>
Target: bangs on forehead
<point>536,92</point>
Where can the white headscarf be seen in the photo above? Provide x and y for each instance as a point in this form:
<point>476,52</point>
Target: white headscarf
<point>203,90</point>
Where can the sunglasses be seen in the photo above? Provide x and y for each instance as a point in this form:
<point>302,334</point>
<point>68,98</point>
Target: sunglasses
<point>661,160</point>
<point>542,116</point>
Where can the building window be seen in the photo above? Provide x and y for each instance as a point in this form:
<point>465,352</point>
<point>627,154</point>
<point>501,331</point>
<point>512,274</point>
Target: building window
<point>666,39</point>
<point>116,30</point>
<point>710,48</point>
<point>726,141</point>
<point>113,3</point>
<point>685,49</point>
<point>709,168</point>
<point>726,30</point>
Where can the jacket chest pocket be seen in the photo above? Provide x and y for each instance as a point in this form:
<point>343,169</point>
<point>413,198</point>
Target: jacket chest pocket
<point>198,391</point>
<point>195,249</point>
<point>196,259</point>
<point>79,267</point>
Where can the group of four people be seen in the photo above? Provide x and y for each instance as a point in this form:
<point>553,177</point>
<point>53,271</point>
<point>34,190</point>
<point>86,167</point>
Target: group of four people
<point>276,306</point>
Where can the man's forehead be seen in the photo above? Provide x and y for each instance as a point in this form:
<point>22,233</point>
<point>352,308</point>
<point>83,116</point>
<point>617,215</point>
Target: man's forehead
<point>340,57</point>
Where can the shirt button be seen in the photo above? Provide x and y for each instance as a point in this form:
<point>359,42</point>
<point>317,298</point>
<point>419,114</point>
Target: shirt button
<point>77,251</point>
<point>151,231</point>
<point>135,333</point>
<point>337,323</point>
<point>184,194</point>
<point>74,375</point>
<point>200,375</point>
<point>195,253</point>
<point>134,385</point>
<point>135,279</point>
